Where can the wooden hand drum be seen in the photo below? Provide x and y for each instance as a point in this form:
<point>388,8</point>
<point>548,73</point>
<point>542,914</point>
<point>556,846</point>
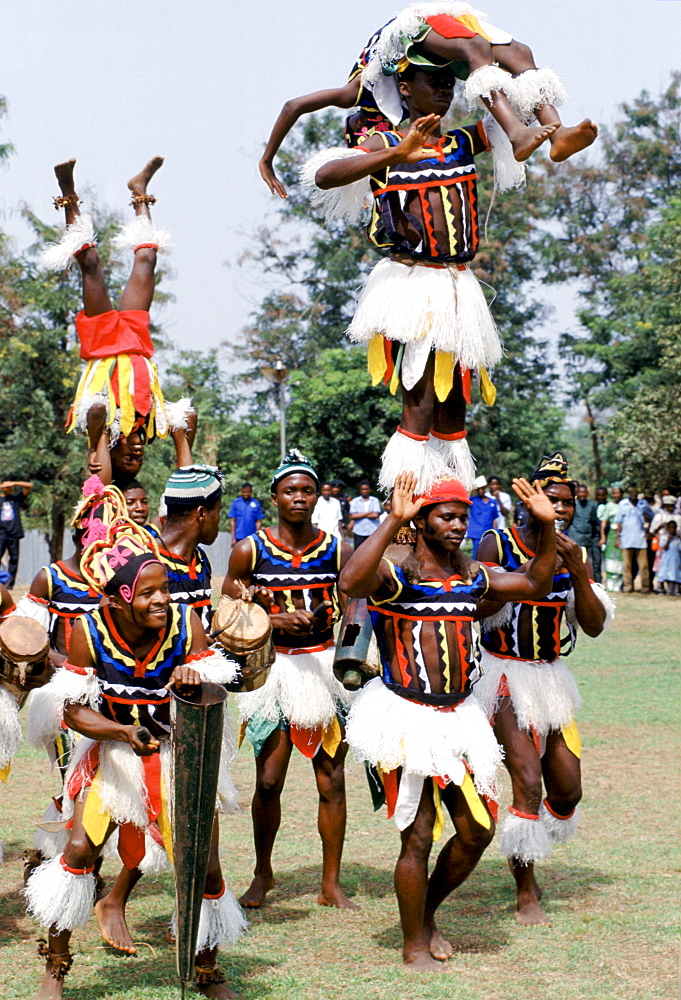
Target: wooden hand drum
<point>243,629</point>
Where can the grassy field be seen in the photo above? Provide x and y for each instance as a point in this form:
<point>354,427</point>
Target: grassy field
<point>612,893</point>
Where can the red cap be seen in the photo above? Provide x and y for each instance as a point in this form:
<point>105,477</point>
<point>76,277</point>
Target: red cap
<point>445,490</point>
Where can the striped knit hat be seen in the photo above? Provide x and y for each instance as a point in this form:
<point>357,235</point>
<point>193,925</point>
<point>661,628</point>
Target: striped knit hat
<point>553,469</point>
<point>193,486</point>
<point>292,462</point>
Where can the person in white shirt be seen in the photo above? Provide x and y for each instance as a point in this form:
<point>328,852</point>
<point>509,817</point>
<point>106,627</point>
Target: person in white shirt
<point>327,514</point>
<point>495,492</point>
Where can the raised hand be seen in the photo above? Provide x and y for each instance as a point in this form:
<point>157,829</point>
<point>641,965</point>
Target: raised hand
<point>536,501</point>
<point>403,504</point>
<point>410,149</point>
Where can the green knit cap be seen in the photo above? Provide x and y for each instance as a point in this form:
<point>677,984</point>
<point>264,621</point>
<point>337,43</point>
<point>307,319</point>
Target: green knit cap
<point>292,462</point>
<point>193,486</point>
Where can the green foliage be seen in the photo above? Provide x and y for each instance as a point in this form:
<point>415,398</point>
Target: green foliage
<point>618,235</point>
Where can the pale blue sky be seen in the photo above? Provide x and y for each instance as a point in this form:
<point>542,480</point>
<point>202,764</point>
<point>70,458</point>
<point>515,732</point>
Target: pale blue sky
<point>113,82</point>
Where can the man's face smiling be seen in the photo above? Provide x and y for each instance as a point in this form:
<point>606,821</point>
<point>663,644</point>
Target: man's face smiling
<point>444,525</point>
<point>137,502</point>
<point>296,497</point>
<point>151,600</point>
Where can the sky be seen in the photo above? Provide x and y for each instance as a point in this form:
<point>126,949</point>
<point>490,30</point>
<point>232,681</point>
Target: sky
<point>113,82</point>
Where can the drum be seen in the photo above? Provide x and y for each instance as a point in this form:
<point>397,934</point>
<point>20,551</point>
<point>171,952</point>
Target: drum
<point>24,649</point>
<point>243,629</point>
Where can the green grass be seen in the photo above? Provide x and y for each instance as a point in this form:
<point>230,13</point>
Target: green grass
<point>612,893</point>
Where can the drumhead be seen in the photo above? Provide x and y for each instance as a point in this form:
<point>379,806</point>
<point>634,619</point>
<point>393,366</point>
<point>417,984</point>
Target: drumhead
<point>244,626</point>
<point>23,639</point>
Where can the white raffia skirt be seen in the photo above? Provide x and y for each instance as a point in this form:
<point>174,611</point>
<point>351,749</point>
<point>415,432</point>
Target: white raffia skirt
<point>427,309</point>
<point>544,695</point>
<point>300,688</point>
<point>389,731</point>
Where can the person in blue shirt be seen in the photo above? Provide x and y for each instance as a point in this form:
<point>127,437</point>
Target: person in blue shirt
<point>483,513</point>
<point>245,514</point>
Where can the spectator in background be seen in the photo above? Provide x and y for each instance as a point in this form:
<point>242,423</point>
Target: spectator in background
<point>658,533</point>
<point>245,514</point>
<point>632,518</point>
<point>483,514</point>
<point>495,492</point>
<point>612,557</point>
<point>13,496</point>
<point>337,493</point>
<point>327,514</point>
<point>586,528</point>
<point>365,511</point>
<point>669,574</point>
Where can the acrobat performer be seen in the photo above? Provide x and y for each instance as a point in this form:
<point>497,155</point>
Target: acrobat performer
<point>422,313</point>
<point>499,71</point>
<point>119,389</point>
<point>528,691</point>
<point>419,722</point>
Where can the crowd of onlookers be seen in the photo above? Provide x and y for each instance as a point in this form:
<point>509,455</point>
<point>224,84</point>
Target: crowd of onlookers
<point>632,539</point>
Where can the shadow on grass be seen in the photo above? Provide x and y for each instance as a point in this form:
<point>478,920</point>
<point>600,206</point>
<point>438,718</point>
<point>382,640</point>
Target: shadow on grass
<point>12,913</point>
<point>111,977</point>
<point>354,878</point>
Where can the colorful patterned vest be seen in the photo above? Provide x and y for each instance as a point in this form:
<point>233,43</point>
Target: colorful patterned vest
<point>133,692</point>
<point>69,597</point>
<point>301,580</point>
<point>446,179</point>
<point>538,630</point>
<point>425,637</point>
<point>188,582</point>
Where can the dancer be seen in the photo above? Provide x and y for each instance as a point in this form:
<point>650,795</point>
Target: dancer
<point>422,313</point>
<point>528,691</point>
<point>119,389</point>
<point>499,71</point>
<point>419,722</point>
<point>108,698</point>
<point>193,498</point>
<point>295,567</point>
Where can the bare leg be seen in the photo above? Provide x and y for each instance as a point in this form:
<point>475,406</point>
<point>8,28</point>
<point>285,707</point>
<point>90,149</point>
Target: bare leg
<point>524,766</point>
<point>330,775</point>
<point>450,416</point>
<point>79,852</point>
<point>139,290</point>
<point>477,52</point>
<point>562,775</point>
<point>95,296</point>
<point>418,403</point>
<point>110,912</point>
<point>456,861</point>
<point>566,140</point>
<point>411,886</point>
<point>271,766</point>
<point>207,959</point>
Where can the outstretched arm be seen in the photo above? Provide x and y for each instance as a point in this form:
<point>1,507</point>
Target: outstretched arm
<point>365,572</point>
<point>588,609</point>
<point>410,149</point>
<point>535,582</point>
<point>336,97</point>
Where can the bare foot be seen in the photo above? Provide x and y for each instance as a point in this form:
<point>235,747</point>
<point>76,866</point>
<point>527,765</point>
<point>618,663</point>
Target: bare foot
<point>529,912</point>
<point>218,991</point>
<point>64,175</point>
<point>138,183</point>
<point>257,891</point>
<point>440,948</point>
<point>527,139</point>
<point>336,897</point>
<point>422,961</point>
<point>50,988</point>
<point>112,926</point>
<point>567,141</point>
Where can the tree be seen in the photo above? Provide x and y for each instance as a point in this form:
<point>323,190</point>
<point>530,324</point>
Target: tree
<point>611,242</point>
